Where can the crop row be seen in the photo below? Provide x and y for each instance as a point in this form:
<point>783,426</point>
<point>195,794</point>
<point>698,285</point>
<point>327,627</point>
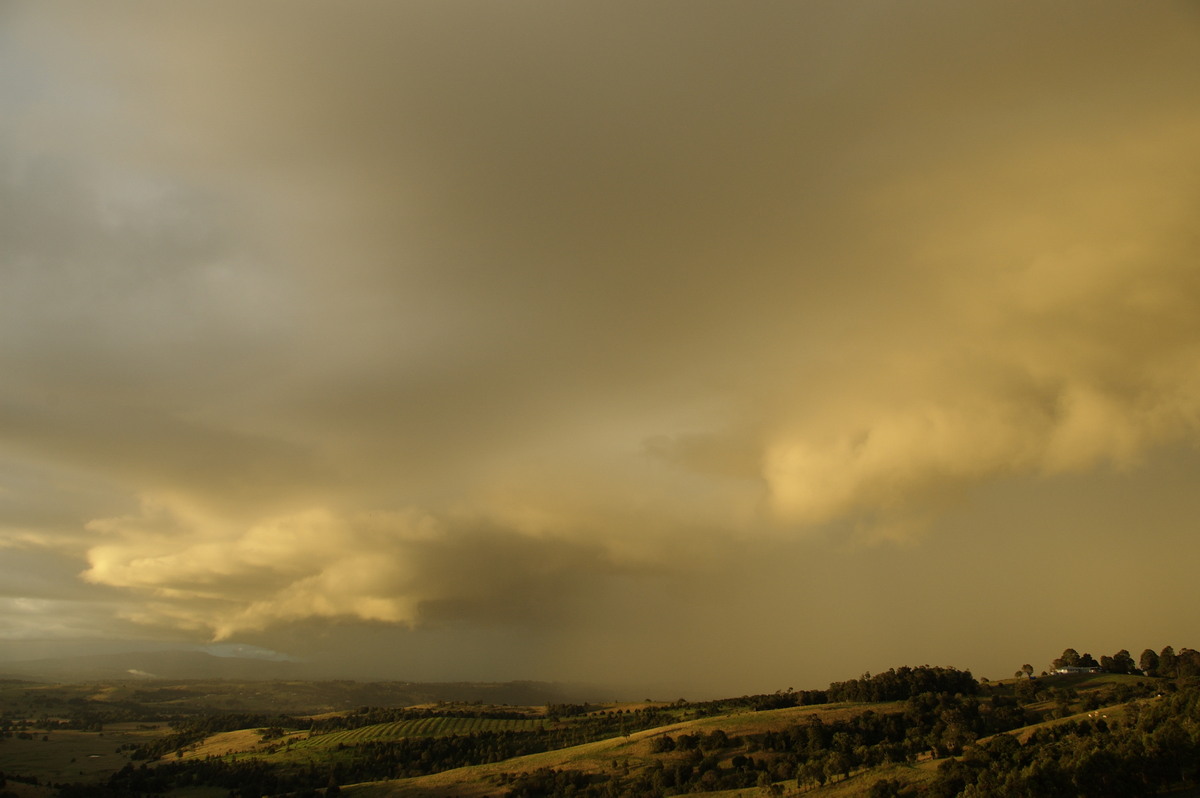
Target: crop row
<point>420,727</point>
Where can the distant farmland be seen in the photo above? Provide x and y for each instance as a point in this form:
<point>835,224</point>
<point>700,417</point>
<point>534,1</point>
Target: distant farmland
<point>418,727</point>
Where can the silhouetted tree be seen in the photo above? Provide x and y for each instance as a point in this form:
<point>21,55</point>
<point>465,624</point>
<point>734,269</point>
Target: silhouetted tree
<point>1187,663</point>
<point>1069,659</point>
<point>1166,662</point>
<point>885,788</point>
<point>1121,662</point>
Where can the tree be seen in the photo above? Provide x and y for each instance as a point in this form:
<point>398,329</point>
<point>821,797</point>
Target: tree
<point>812,771</point>
<point>837,763</point>
<point>1148,663</point>
<point>1028,669</point>
<point>1166,662</point>
<point>1069,659</point>
<point>1088,661</point>
<point>1188,663</point>
<point>885,788</point>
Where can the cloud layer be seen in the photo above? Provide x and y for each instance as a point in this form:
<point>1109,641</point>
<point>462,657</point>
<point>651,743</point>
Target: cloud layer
<point>477,316</point>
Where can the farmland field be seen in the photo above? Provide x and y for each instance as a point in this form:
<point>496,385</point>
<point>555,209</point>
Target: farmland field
<point>73,755</point>
<point>418,727</point>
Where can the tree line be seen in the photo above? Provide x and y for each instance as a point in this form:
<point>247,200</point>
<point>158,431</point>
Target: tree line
<point>1165,664</point>
<point>898,684</point>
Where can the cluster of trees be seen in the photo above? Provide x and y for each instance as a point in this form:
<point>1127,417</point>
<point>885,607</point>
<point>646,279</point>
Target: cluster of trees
<point>5,778</point>
<point>1156,749</point>
<point>781,699</point>
<point>1165,663</point>
<point>703,773</point>
<point>569,710</point>
<point>20,728</point>
<point>1073,659</point>
<point>716,740</point>
<point>80,717</point>
<point>547,781</point>
<point>1168,664</point>
<point>790,698</point>
<point>898,684</point>
<point>245,778</point>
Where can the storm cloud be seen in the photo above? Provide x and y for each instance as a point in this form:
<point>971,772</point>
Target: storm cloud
<point>529,318</point>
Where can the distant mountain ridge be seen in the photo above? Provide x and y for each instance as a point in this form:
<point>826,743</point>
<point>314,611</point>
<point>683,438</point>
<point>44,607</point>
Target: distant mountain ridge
<point>221,681</point>
<point>132,665</point>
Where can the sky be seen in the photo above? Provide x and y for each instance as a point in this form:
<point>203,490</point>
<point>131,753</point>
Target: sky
<point>724,347</point>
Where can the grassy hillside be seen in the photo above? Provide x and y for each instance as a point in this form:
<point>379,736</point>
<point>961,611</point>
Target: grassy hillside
<point>907,732</point>
<point>631,752</point>
<point>635,756</point>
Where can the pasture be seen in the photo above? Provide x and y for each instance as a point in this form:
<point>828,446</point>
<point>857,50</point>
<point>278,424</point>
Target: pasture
<point>67,755</point>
